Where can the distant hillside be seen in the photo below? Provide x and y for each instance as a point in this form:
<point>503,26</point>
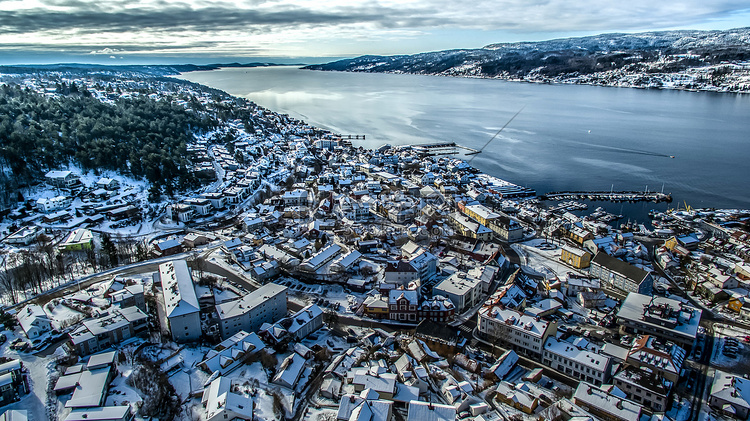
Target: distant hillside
<point>701,60</point>
<point>144,69</point>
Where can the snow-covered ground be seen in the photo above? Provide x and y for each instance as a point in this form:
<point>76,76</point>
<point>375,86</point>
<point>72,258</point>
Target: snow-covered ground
<point>40,371</point>
<point>304,294</point>
<point>542,260</point>
<point>740,364</point>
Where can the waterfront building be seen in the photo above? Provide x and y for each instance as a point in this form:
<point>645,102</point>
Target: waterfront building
<point>577,258</point>
<point>620,276</point>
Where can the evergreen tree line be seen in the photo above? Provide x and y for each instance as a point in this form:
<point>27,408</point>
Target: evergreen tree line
<point>138,136</point>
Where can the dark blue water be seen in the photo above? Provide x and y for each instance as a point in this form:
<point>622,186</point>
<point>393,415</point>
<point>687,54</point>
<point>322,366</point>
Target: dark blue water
<point>568,137</point>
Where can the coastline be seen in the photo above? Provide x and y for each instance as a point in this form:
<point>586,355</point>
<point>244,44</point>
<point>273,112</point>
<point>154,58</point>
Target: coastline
<point>556,81</point>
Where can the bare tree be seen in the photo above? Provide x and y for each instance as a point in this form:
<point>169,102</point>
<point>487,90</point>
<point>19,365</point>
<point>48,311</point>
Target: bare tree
<point>7,283</point>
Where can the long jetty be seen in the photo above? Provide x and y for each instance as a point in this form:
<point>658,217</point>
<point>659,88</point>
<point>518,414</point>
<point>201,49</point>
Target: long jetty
<point>442,148</point>
<point>609,196</point>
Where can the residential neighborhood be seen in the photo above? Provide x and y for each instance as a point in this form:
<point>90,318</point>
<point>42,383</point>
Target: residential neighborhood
<point>311,279</point>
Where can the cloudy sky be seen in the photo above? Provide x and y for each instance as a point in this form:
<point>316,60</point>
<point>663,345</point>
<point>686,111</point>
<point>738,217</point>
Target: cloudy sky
<point>38,31</point>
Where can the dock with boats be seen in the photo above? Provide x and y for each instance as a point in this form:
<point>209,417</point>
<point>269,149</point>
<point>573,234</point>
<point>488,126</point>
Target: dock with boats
<point>609,196</point>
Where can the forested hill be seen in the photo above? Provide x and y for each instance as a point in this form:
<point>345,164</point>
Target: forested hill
<point>710,60</point>
<point>138,135</point>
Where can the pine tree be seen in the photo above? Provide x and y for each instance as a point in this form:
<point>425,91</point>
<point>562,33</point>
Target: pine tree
<point>109,249</point>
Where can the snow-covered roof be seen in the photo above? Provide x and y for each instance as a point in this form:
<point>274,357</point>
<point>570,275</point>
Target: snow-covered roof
<point>103,413</point>
<point>304,317</point>
<point>77,236</point>
<point>482,211</point>
<point>290,371</point>
<point>419,411</point>
<point>348,259</point>
<point>660,313</point>
<point>319,258</point>
<point>245,304</point>
<point>382,382</point>
<point>14,415</point>
<point>9,366</point>
<point>732,389</point>
<point>91,389</point>
<point>457,284</point>
<point>364,407</point>
<point>232,348</point>
<point>504,364</point>
<point>513,319</point>
<point>178,287</point>
<point>405,393</point>
<point>101,359</point>
<point>168,244</point>
<point>32,316</point>
<point>667,357</point>
<point>411,296</point>
<point>581,356</point>
<point>58,174</point>
<point>591,396</point>
<point>219,397</point>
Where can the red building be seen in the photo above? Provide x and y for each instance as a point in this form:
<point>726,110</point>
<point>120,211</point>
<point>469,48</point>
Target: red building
<point>437,309</point>
<point>403,304</point>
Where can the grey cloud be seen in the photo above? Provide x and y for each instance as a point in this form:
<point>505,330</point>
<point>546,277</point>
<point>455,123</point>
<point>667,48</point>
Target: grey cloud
<point>117,48</point>
<point>169,19</point>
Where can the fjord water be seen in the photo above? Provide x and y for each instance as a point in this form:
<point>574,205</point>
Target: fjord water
<point>567,137</point>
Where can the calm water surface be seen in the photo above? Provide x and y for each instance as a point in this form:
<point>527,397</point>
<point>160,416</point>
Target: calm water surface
<point>568,137</point>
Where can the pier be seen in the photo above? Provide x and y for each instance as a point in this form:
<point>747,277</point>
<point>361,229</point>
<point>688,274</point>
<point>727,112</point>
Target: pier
<point>352,136</point>
<point>609,196</point>
<point>442,148</point>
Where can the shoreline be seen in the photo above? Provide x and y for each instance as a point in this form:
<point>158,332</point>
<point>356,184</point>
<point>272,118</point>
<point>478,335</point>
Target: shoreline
<point>547,81</point>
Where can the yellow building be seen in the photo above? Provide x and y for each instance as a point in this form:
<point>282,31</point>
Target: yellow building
<point>735,304</point>
<point>376,307</point>
<point>671,243</point>
<point>574,257</point>
<point>480,213</point>
<point>579,234</point>
<point>517,398</point>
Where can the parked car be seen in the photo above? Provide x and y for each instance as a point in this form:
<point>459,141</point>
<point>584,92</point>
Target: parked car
<point>3,338</point>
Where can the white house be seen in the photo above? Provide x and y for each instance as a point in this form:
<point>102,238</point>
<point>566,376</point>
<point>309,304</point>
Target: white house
<point>575,361</point>
<point>62,179</point>
<point>290,371</point>
<point>223,403</point>
<point>521,332</point>
<point>306,321</point>
<point>53,204</point>
<point>108,183</point>
<point>34,321</point>
<point>730,394</point>
<point>426,265</point>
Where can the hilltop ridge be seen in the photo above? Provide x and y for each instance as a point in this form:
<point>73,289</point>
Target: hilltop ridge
<point>685,59</point>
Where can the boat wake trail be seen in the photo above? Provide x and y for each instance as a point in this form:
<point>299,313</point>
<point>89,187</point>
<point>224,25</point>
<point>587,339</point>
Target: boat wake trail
<point>626,150</point>
<point>632,151</point>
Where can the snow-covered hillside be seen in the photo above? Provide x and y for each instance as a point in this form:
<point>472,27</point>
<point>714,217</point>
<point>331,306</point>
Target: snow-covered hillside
<point>692,60</point>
